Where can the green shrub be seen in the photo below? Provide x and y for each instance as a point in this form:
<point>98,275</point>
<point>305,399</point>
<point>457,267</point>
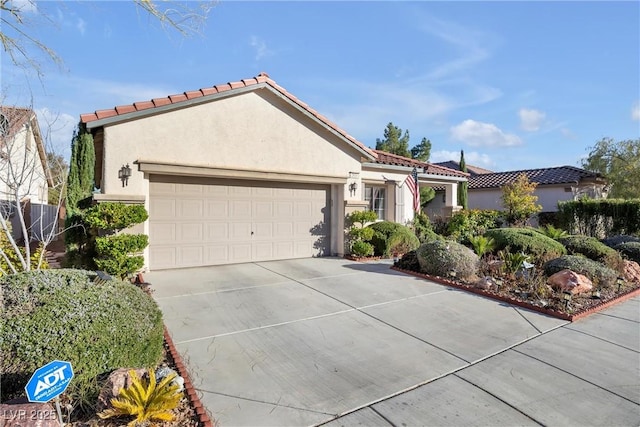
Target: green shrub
<point>614,241</point>
<point>423,228</point>
<point>390,237</point>
<point>115,215</point>
<point>61,314</point>
<point>468,223</point>
<point>598,273</point>
<point>630,250</point>
<point>513,261</point>
<point>115,253</point>
<point>361,249</point>
<point>442,258</point>
<point>531,242</point>
<point>409,261</point>
<point>593,249</point>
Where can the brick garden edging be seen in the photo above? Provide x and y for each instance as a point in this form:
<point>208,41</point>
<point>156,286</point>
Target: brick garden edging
<point>190,390</point>
<point>513,301</point>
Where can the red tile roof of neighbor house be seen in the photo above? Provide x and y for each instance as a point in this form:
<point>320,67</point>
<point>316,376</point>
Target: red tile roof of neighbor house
<point>543,176</point>
<point>16,118</point>
<point>423,167</point>
<point>473,170</point>
<point>263,78</point>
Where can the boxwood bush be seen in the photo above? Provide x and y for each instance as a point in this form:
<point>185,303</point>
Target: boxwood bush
<point>442,257</point>
<point>631,250</point>
<point>62,314</point>
<point>598,273</point>
<point>389,237</point>
<point>593,249</point>
<point>529,241</point>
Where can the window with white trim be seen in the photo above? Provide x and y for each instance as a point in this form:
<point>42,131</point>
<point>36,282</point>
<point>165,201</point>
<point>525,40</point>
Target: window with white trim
<point>376,196</point>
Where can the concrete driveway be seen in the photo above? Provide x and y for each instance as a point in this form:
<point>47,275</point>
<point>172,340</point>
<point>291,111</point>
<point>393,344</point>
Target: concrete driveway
<point>325,340</point>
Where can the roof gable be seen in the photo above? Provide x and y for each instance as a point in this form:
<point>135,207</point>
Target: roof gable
<point>140,109</point>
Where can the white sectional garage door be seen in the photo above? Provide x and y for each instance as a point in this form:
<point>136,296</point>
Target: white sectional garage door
<point>197,222</point>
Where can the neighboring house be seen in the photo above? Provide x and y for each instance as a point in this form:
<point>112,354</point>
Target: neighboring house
<point>24,174</point>
<point>555,184</point>
<point>245,171</point>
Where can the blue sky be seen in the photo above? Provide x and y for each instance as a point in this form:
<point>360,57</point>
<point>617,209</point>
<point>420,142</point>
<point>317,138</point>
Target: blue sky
<point>516,85</point>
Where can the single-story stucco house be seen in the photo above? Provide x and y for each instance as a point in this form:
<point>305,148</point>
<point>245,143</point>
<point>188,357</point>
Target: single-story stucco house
<point>245,171</point>
<point>554,184</point>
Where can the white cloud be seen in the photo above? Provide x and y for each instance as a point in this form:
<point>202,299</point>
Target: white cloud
<point>471,157</point>
<point>81,25</point>
<point>567,133</point>
<point>531,120</point>
<point>260,47</point>
<point>478,134</point>
<point>635,112</point>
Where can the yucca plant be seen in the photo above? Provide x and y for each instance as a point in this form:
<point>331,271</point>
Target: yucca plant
<point>482,245</point>
<point>553,232</point>
<point>513,261</point>
<point>147,400</point>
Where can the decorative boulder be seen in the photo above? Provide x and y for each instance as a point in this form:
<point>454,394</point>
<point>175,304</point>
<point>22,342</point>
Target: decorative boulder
<point>117,380</point>
<point>569,281</point>
<point>632,271</point>
<point>165,371</point>
<point>485,283</point>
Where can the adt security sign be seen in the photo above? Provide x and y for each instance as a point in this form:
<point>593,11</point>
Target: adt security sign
<point>49,381</point>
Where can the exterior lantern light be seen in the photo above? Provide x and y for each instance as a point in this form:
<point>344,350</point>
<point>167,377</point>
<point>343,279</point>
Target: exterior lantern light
<point>620,282</point>
<point>353,187</point>
<point>124,173</point>
<point>498,284</point>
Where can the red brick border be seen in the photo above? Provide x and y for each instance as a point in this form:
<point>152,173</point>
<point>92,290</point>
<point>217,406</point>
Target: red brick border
<point>557,314</point>
<point>190,390</point>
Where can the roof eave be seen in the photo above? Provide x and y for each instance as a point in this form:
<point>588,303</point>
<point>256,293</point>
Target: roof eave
<point>408,169</point>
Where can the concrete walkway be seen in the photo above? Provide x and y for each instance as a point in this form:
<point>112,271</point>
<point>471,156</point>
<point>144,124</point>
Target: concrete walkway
<point>328,341</point>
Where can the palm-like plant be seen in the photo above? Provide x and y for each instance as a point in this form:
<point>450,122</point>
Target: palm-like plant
<point>482,245</point>
<point>553,232</point>
<point>147,400</point>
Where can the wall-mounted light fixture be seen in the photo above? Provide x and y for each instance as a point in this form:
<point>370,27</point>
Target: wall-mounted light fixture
<point>353,187</point>
<point>124,173</point>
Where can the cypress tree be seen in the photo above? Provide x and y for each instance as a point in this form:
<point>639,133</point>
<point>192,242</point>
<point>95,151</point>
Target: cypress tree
<point>80,183</point>
<point>463,187</point>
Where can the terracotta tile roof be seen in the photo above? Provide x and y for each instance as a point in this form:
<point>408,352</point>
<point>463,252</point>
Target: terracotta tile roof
<point>473,170</point>
<point>262,78</point>
<point>16,118</point>
<point>429,168</point>
<point>544,176</point>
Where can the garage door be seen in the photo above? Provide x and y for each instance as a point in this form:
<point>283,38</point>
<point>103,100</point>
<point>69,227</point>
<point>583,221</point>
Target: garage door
<point>196,222</point>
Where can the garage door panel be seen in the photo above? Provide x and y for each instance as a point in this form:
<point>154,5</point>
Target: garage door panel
<point>162,232</point>
<point>190,233</point>
<point>213,221</point>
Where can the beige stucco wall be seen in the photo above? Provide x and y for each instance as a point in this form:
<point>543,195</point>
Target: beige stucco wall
<point>254,131</point>
<point>548,198</point>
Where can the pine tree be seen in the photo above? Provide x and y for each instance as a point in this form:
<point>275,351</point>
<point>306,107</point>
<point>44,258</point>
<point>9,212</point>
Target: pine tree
<point>422,151</point>
<point>463,187</point>
<point>394,141</point>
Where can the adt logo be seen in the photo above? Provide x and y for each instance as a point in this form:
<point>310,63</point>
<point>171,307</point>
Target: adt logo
<point>49,381</point>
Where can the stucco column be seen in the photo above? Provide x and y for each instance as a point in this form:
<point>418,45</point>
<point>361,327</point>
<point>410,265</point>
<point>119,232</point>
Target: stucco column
<point>451,195</point>
<point>390,207</point>
<point>337,219</point>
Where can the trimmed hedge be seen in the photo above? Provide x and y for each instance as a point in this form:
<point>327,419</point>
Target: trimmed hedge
<point>630,250</point>
<point>62,314</point>
<point>526,240</point>
<point>593,249</point>
<point>472,222</point>
<point>443,257</point>
<point>600,217</point>
<point>604,276</point>
<point>390,237</point>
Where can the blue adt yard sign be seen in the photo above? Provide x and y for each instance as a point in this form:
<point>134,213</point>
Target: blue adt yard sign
<point>49,381</point>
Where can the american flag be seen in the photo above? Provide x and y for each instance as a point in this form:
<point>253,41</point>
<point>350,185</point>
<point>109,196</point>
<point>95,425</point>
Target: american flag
<point>414,187</point>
